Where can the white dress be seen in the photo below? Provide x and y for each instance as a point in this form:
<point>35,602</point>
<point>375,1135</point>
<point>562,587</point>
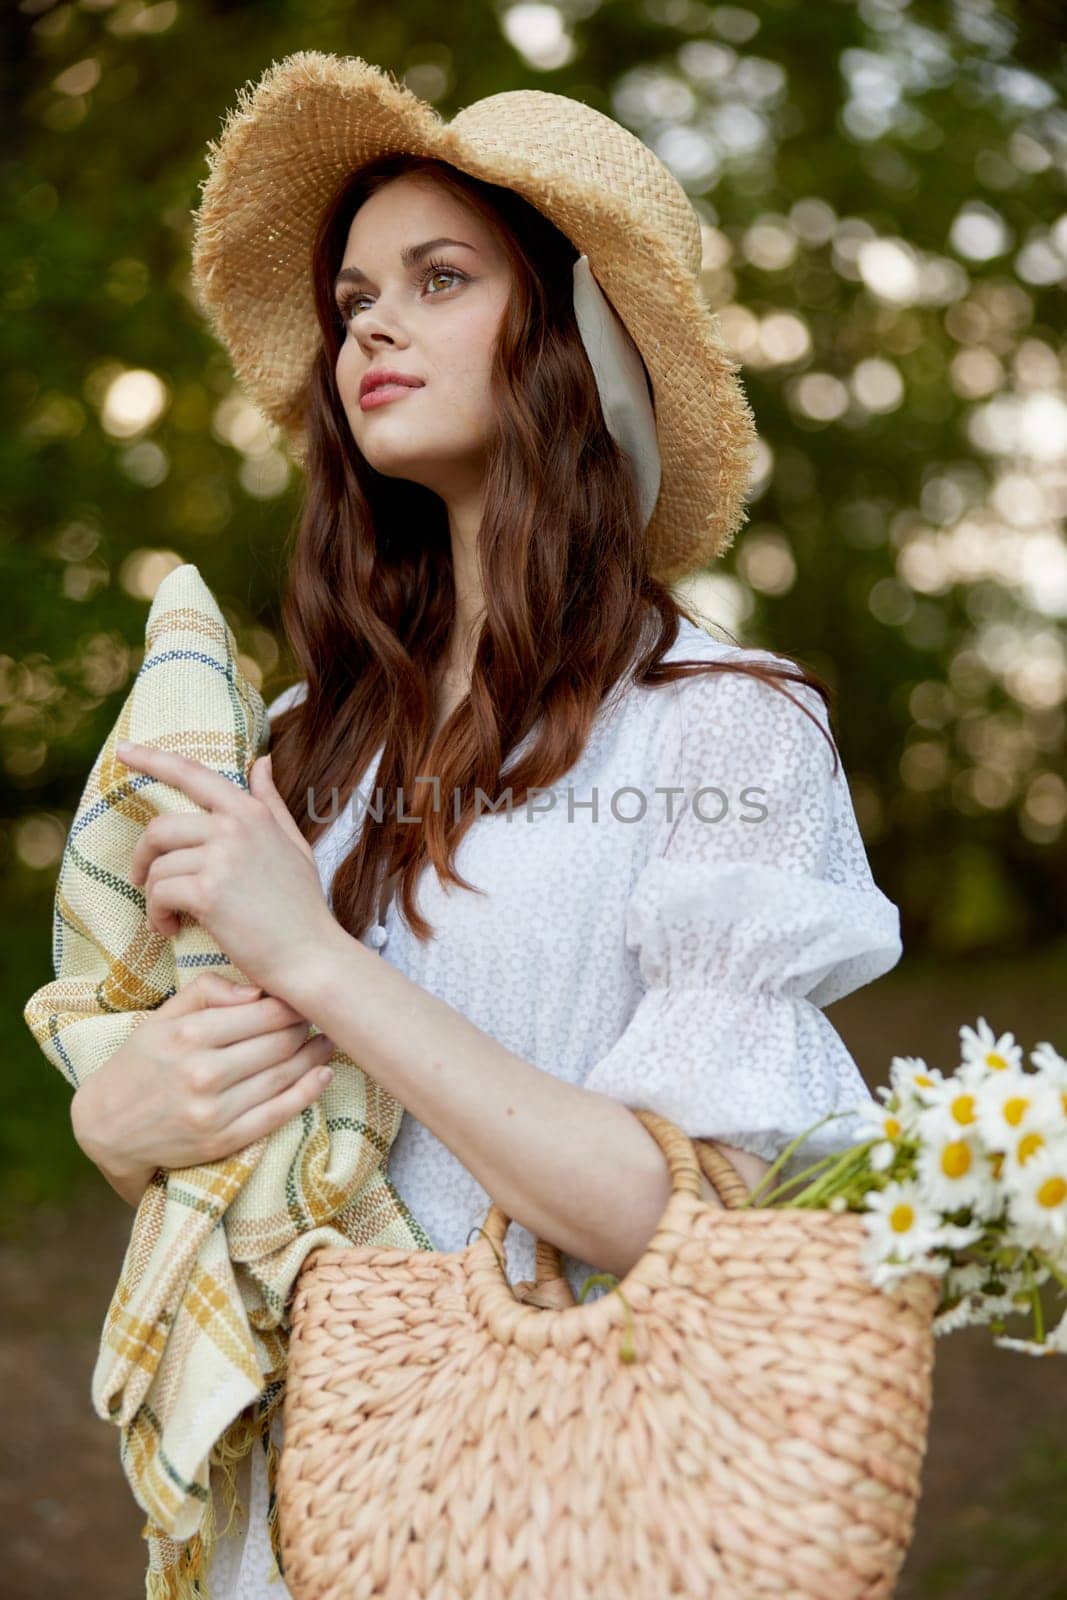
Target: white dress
<point>666,932</point>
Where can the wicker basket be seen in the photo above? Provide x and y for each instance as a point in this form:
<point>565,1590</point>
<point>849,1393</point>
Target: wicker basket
<point>747,1418</point>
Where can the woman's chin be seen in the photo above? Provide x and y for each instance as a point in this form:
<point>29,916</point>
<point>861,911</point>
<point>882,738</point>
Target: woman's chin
<point>398,463</point>
<point>430,472</point>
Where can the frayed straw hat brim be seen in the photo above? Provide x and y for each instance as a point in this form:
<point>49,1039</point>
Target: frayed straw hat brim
<point>292,138</point>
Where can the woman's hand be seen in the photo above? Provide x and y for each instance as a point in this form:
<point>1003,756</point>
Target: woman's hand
<point>240,867</point>
<point>208,1072</point>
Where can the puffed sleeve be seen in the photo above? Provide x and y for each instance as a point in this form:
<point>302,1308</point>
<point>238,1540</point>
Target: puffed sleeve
<point>755,909</point>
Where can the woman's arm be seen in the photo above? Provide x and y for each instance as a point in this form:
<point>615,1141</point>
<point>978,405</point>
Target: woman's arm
<point>572,1165</point>
<point>211,1069</point>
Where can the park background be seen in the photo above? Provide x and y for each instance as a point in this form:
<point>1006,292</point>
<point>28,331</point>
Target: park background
<point>881,187</point>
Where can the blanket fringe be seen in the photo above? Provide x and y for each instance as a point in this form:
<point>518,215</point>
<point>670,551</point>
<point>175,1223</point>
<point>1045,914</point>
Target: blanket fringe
<point>178,1569</point>
<point>273,1526</point>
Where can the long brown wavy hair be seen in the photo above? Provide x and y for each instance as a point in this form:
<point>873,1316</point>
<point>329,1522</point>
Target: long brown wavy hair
<point>368,605</point>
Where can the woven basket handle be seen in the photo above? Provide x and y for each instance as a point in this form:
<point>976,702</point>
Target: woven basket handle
<point>686,1157</point>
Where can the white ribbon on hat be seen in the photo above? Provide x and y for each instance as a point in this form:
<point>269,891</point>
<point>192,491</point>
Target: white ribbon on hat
<point>620,379</point>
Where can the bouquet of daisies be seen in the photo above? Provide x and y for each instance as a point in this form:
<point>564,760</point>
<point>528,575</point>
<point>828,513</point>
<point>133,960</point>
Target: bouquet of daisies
<point>962,1175</point>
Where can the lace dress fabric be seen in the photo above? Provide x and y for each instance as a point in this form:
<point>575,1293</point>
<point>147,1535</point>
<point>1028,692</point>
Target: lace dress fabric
<point>665,929</point>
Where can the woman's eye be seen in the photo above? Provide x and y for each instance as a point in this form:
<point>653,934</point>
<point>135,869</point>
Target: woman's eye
<point>349,303</point>
<point>441,272</point>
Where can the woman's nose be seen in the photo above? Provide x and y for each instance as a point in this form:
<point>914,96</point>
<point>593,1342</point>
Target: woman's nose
<point>374,326</point>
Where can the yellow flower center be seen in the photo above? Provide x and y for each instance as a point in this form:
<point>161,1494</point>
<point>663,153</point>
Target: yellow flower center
<point>997,1062</point>
<point>1015,1110</point>
<point>902,1217</point>
<point>892,1127</point>
<point>1027,1145</point>
<point>923,1081</point>
<point>956,1158</point>
<point>1053,1192</point>
<point>997,1163</point>
<point>1063,1097</point>
<point>963,1108</point>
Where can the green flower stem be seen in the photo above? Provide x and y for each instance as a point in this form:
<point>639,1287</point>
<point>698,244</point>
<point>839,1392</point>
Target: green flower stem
<point>1057,1271</point>
<point>791,1183</point>
<point>626,1349</point>
<point>1035,1303</point>
<point>833,1167</point>
<point>850,1163</point>
<point>772,1171</point>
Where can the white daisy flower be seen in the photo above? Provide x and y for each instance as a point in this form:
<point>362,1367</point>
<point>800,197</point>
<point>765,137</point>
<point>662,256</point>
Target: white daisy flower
<point>1026,1144</point>
<point>901,1232</point>
<point>981,1051</point>
<point>966,1314</point>
<point>905,1108</point>
<point>1012,1103</point>
<point>966,1277</point>
<point>1053,1070</point>
<point>912,1080</point>
<point>1037,1190</point>
<point>1055,1342</point>
<point>953,1104</point>
<point>970,1310</point>
<point>1048,1060</point>
<point>954,1170</point>
<point>886,1274</point>
<point>957,1235</point>
<point>887,1126</point>
<point>966,1300</point>
<point>875,1121</point>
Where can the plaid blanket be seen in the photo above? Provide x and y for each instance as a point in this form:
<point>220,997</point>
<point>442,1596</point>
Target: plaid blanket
<point>192,1356</point>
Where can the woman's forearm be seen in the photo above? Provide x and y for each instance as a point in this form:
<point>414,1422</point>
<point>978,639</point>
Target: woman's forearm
<point>573,1166</point>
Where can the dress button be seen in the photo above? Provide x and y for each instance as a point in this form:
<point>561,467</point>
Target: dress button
<point>377,935</point>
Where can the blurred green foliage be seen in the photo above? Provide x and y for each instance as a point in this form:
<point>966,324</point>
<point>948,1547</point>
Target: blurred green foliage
<point>887,249</point>
<point>1018,1551</point>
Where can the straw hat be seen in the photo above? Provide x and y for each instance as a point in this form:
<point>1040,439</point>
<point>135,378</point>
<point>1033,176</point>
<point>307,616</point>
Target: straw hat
<point>292,138</point>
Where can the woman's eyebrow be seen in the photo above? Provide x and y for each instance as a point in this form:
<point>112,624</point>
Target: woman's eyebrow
<point>410,257</point>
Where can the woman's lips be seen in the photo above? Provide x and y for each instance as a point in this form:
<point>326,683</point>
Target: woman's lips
<point>385,392</point>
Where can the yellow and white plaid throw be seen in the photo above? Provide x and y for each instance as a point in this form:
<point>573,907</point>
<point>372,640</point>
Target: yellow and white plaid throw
<point>193,1352</point>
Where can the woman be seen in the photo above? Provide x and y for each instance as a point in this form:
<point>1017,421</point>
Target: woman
<point>647,874</point>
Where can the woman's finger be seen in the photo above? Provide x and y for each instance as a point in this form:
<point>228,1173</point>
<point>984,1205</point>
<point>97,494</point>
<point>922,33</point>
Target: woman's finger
<point>218,1026</point>
<point>207,992</point>
<point>167,896</point>
<point>267,1100</point>
<point>261,783</point>
<point>209,789</point>
<point>248,1058</point>
<point>167,832</point>
<point>159,912</point>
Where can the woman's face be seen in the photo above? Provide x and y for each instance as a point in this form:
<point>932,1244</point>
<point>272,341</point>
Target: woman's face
<point>433,317</point>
